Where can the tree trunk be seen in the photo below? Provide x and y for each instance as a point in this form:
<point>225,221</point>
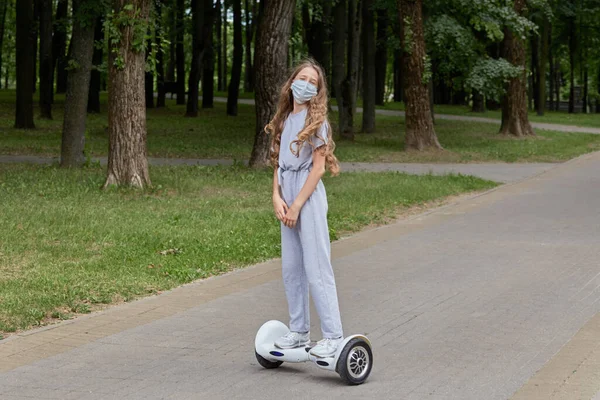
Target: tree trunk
<point>572,51</point>
<point>339,57</point>
<point>515,121</point>
<point>160,61</point>
<point>78,86</point>
<point>543,60</point>
<point>349,85</point>
<point>3,9</point>
<point>369,81</point>
<point>478,102</point>
<point>46,81</point>
<point>236,68</point>
<point>36,31</point>
<point>551,65</point>
<point>224,50</point>
<point>197,53</point>
<point>208,64</point>
<point>218,23</point>
<point>24,60</point>
<point>557,84</point>
<point>381,56</point>
<point>420,133</point>
<point>248,81</point>
<point>93,105</point>
<point>398,81</point>
<point>180,56</point>
<point>127,162</point>
<point>535,71</point>
<point>172,46</point>
<point>59,46</point>
<point>598,89</point>
<point>585,90</point>
<point>397,66</point>
<point>271,55</point>
<point>317,32</point>
<point>148,78</point>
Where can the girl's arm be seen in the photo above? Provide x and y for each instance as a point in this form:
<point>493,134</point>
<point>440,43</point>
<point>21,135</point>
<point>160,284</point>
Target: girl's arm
<point>315,175</point>
<point>278,204</point>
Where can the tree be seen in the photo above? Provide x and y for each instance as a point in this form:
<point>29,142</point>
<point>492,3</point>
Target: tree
<point>250,15</point>
<point>236,68</point>
<point>598,89</point>
<point>572,15</point>
<point>3,10</point>
<point>338,70</point>
<point>368,67</point>
<point>420,134</point>
<point>78,85</point>
<point>515,121</point>
<point>59,45</point>
<point>46,78</point>
<point>35,31</point>
<point>381,56</point>
<point>224,44</point>
<point>180,56</point>
<point>271,54</point>
<point>160,57</point>
<point>218,23</point>
<point>149,75</point>
<point>93,105</point>
<point>350,82</point>
<point>127,162</point>
<point>24,109</point>
<point>172,24</point>
<point>197,42</point>
<point>398,81</point>
<point>541,103</point>
<point>316,21</point>
<point>208,72</point>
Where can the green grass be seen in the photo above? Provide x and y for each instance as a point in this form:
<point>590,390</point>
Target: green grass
<point>215,135</point>
<point>549,117</point>
<point>467,142</point>
<point>67,247</point>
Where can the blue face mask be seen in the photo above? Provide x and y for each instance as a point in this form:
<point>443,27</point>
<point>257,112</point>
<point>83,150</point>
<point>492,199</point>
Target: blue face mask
<point>303,91</point>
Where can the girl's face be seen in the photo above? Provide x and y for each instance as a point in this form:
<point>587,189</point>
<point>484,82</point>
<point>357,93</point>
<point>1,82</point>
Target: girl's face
<point>309,74</point>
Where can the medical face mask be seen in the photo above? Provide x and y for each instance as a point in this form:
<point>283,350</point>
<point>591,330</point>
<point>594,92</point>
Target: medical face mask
<point>303,91</point>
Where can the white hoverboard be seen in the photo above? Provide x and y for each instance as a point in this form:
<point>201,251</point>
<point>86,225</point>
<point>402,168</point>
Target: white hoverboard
<point>352,361</point>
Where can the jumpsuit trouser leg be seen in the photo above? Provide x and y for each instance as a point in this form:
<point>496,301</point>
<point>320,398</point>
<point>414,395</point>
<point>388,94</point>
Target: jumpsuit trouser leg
<point>306,262</point>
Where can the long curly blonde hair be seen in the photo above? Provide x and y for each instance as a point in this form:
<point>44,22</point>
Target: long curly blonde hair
<point>316,116</point>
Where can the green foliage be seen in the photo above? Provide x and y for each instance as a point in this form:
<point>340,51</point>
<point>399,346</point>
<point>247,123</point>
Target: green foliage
<point>450,41</point>
<point>458,34</point>
<point>89,10</point>
<point>489,76</point>
<point>72,65</point>
<point>427,73</point>
<point>129,17</point>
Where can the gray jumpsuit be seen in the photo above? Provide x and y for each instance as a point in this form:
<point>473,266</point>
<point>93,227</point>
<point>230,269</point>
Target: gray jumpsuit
<point>305,249</point>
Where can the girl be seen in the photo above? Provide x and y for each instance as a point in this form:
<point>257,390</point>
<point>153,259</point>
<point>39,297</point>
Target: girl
<point>301,148</point>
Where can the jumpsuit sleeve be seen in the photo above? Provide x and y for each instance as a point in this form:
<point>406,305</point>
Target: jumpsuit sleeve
<point>322,137</point>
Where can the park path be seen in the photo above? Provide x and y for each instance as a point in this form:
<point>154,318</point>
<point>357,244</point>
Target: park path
<point>492,297</point>
<point>538,125</point>
<point>498,172</point>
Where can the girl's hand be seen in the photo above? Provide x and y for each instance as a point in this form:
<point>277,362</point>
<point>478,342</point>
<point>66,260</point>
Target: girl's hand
<point>280,207</point>
<point>291,217</point>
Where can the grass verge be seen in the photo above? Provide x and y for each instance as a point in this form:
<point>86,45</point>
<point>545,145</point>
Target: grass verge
<point>215,135</point>
<point>67,247</point>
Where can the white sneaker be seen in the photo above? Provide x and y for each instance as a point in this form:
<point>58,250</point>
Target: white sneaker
<point>292,340</point>
<point>326,347</point>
